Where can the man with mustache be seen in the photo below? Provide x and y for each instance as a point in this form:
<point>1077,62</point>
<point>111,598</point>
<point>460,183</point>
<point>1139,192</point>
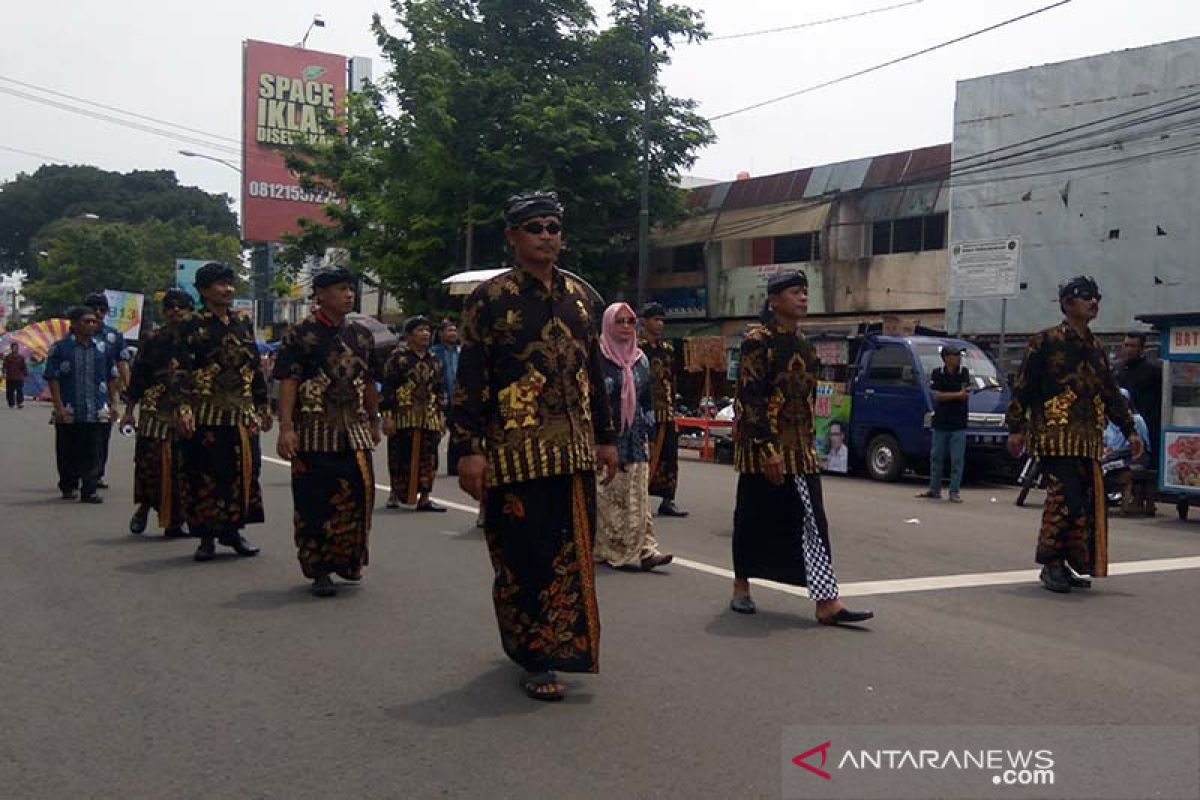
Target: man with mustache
<point>222,403</point>
<point>1062,397</point>
<point>531,413</point>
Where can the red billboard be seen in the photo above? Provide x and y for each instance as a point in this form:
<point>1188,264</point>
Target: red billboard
<point>287,93</point>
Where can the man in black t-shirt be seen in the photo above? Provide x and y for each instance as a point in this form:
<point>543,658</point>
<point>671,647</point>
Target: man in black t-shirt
<point>951,386</point>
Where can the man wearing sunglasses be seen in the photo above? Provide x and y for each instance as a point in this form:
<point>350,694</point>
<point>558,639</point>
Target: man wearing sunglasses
<point>1062,396</point>
<point>531,413</point>
<point>156,461</point>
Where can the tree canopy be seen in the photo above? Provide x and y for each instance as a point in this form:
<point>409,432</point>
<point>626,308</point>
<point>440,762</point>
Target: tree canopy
<point>30,203</point>
<point>486,98</point>
<point>84,256</point>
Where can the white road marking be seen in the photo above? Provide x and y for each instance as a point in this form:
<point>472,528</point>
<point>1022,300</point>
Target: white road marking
<point>896,586</point>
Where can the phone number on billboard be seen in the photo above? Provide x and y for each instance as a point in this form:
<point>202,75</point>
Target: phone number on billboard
<point>285,191</point>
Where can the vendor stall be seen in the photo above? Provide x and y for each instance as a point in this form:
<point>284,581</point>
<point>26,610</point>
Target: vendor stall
<point>1178,450</point>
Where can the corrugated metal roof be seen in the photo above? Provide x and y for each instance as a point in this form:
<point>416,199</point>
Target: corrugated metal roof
<point>928,166</point>
<point>923,164</point>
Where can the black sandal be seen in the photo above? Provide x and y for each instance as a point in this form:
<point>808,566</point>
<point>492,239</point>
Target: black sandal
<point>534,683</point>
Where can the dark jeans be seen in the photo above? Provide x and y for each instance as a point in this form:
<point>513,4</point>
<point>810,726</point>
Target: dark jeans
<point>104,440</point>
<point>956,442</point>
<point>14,391</point>
<point>77,447</point>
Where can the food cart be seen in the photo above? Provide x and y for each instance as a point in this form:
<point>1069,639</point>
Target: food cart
<point>1179,446</point>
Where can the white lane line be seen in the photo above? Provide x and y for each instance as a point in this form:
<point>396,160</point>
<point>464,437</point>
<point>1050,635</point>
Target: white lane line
<point>898,585</point>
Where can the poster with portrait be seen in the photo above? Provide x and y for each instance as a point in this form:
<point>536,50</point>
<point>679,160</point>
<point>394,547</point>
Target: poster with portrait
<point>1181,460</point>
<point>832,423</point>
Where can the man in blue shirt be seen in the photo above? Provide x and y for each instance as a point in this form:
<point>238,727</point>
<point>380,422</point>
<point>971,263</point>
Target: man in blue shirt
<point>447,351</point>
<point>82,374</point>
<point>114,342</point>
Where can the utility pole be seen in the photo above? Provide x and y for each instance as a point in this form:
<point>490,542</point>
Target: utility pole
<point>644,212</point>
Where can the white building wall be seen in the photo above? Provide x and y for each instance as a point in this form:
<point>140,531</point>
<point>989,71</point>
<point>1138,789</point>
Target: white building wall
<point>1117,199</point>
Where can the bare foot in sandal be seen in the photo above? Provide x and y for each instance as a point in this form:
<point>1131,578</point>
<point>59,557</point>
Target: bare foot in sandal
<point>542,686</point>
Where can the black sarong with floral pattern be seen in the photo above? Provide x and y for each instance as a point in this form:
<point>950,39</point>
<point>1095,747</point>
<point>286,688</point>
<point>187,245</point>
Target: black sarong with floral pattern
<point>157,479</point>
<point>539,536</point>
<point>222,493</point>
<point>333,494</point>
<point>412,462</point>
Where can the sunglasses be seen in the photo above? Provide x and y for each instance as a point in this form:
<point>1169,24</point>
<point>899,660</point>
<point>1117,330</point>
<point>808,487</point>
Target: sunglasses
<point>536,228</point>
<point>625,321</point>
<point>1088,296</point>
<point>174,307</point>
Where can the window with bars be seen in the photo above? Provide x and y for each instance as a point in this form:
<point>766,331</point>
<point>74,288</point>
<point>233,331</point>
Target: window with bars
<point>910,235</point>
<point>798,247</point>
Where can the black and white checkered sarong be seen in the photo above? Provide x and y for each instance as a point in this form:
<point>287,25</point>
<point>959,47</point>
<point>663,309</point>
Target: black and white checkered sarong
<point>818,565</point>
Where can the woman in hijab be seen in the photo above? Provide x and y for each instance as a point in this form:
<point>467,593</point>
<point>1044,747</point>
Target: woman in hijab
<point>625,531</point>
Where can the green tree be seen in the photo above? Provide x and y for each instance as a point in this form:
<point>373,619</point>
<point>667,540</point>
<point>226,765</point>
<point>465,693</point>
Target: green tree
<point>31,202</point>
<point>84,256</point>
<point>493,97</point>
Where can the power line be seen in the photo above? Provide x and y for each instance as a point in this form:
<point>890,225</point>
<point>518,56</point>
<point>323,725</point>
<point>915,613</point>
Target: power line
<point>117,120</point>
<point>815,23</point>
<point>116,109</point>
<point>877,67</point>
<point>30,153</point>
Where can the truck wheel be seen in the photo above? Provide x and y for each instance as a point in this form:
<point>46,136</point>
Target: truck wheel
<point>885,460</point>
<point>1181,508</point>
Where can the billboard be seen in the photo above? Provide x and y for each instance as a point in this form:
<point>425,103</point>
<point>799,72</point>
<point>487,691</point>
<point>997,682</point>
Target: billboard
<point>287,93</point>
<point>185,276</point>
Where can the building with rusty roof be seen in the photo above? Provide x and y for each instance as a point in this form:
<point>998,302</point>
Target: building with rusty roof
<point>871,234</point>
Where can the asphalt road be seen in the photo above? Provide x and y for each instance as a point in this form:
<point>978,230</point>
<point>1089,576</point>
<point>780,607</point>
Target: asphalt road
<point>127,670</point>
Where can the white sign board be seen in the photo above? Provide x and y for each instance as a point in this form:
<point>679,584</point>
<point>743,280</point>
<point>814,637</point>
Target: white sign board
<point>985,268</point>
<point>1184,340</point>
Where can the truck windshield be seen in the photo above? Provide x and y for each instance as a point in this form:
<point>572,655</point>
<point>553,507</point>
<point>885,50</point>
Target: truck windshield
<point>983,371</point>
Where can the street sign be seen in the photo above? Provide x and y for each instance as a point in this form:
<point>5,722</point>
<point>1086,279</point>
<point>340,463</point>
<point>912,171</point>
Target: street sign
<point>985,268</point>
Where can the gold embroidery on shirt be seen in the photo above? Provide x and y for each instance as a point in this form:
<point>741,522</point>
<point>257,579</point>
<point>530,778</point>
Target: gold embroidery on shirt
<point>1059,407</point>
<point>519,400</point>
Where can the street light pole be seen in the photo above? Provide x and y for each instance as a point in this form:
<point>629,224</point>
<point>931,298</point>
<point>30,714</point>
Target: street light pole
<point>643,275</point>
<point>191,154</point>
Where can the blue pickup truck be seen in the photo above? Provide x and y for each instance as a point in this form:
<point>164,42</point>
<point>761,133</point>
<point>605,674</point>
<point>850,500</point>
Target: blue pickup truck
<point>891,406</point>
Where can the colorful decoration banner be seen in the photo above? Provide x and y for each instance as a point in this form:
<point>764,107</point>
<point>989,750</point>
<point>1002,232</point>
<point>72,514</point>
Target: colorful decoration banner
<point>125,312</point>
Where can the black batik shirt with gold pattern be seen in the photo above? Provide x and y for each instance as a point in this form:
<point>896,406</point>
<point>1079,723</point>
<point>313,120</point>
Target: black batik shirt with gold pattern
<point>150,383</point>
<point>1064,394</point>
<point>414,390</point>
<point>662,378</point>
<point>776,390</point>
<point>220,380</point>
<point>530,388</point>
<point>332,367</point>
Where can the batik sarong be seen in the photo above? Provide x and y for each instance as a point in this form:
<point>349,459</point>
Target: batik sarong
<point>333,494</point>
<point>539,536</point>
<point>412,462</point>
<point>664,461</point>
<point>156,479</point>
<point>780,533</point>
<point>221,489</point>
<point>625,529</point>
<point>1074,517</point>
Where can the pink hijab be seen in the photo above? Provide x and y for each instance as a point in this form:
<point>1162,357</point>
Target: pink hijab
<point>624,356</point>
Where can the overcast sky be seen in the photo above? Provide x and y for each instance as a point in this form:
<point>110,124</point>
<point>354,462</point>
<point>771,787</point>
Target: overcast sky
<point>181,62</point>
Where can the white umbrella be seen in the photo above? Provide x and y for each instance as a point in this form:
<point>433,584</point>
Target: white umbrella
<point>465,282</point>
